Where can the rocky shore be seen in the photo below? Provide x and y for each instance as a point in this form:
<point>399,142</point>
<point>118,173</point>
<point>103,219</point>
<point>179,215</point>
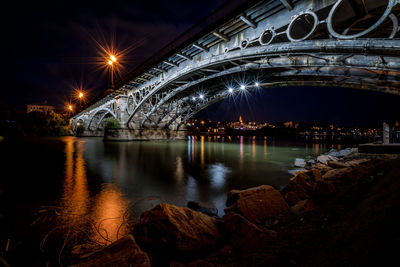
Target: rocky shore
<point>337,212</point>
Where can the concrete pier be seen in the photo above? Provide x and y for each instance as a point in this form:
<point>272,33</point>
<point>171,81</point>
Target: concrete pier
<point>90,133</point>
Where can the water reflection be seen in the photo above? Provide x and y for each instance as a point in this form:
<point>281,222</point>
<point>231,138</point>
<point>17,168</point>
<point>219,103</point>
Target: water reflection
<point>217,173</point>
<point>103,217</point>
<point>199,169</point>
<point>75,198</point>
<point>109,215</point>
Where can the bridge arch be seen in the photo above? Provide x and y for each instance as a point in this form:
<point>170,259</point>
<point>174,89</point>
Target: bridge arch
<point>101,114</point>
<point>379,72</point>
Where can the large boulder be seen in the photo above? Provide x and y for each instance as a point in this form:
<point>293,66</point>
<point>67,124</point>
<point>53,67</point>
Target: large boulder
<point>302,207</point>
<point>123,252</point>
<point>257,203</point>
<point>244,235</point>
<point>177,229</point>
<point>322,168</point>
<point>335,175</point>
<point>306,185</point>
<point>323,189</point>
<point>337,164</point>
<point>357,162</point>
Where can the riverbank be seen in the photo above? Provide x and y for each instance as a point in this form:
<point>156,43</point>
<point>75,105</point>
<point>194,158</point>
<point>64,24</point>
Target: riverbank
<point>339,213</point>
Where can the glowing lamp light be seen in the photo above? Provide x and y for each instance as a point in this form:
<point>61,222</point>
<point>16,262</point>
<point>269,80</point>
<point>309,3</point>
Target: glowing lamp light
<point>193,98</point>
<point>243,87</point>
<point>110,62</point>
<point>201,96</point>
<point>230,89</point>
<point>113,58</point>
<point>70,107</point>
<point>80,95</point>
<point>257,84</point>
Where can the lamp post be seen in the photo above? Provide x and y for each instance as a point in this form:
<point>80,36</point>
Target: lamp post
<point>69,110</point>
<point>80,97</point>
<point>111,62</point>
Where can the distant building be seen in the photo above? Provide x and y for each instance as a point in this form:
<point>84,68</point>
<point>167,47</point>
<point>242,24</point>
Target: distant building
<point>41,107</point>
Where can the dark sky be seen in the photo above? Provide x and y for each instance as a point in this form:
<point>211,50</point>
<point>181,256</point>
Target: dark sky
<point>48,49</point>
<point>49,46</point>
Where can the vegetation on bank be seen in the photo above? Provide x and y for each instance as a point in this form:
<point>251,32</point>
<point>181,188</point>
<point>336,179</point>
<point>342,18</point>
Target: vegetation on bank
<point>112,123</point>
<point>17,123</point>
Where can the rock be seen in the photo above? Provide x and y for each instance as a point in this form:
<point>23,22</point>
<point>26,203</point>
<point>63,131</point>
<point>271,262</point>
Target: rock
<point>302,179</point>
<point>315,174</point>
<point>305,185</point>
<point>323,189</point>
<point>336,174</point>
<point>123,252</point>
<point>302,207</point>
<point>203,207</point>
<point>311,162</point>
<point>322,167</point>
<point>244,235</point>
<point>346,152</point>
<point>325,158</point>
<point>298,188</point>
<point>341,153</point>
<point>221,258</point>
<point>232,197</point>
<point>356,162</point>
<point>300,163</point>
<point>295,195</point>
<point>293,172</point>
<point>176,229</point>
<point>337,164</point>
<point>257,203</point>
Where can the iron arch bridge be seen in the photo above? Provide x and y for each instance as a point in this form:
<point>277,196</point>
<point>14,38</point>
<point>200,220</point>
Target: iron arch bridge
<point>270,43</point>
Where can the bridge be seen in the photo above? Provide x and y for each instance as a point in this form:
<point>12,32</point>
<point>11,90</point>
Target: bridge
<point>249,45</point>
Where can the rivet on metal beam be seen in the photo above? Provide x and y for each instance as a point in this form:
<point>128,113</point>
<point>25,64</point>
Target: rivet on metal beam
<point>287,4</point>
<point>221,35</point>
<point>199,46</point>
<point>184,56</point>
<point>248,21</point>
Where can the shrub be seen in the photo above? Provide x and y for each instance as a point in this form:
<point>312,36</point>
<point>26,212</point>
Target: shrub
<point>111,123</point>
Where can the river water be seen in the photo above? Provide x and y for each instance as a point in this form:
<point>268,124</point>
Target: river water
<point>81,180</point>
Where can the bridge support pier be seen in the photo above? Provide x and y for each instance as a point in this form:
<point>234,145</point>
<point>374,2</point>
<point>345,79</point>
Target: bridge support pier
<point>90,133</point>
<point>126,134</point>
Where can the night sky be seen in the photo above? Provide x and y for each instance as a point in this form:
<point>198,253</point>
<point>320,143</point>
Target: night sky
<point>49,49</point>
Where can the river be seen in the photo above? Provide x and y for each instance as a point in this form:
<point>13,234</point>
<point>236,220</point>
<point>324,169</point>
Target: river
<point>81,180</point>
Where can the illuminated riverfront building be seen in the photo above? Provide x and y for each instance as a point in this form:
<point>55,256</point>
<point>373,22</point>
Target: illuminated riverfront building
<point>41,107</point>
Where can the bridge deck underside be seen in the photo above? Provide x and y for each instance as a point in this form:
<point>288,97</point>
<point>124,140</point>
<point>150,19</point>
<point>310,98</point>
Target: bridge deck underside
<point>343,43</point>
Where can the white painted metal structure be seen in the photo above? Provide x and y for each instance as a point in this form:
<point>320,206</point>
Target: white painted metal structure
<point>347,43</point>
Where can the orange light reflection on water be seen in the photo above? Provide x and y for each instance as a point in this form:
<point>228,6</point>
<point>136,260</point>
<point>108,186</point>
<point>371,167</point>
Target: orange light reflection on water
<point>103,217</point>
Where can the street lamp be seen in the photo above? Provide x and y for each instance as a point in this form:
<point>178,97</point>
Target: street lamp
<point>69,108</point>
<point>80,97</point>
<point>111,61</point>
